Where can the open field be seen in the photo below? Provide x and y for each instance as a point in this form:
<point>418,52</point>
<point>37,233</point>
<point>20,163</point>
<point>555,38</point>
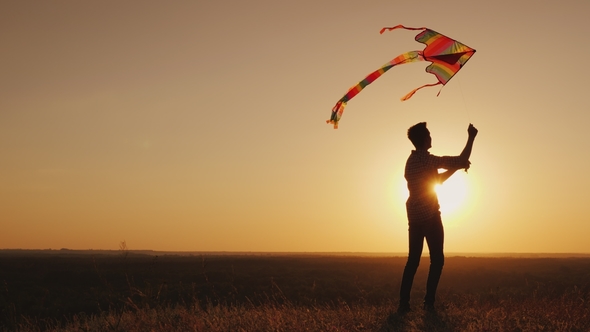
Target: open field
<point>125,291</point>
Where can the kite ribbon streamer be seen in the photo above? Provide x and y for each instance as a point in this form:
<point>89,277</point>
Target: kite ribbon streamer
<point>446,55</point>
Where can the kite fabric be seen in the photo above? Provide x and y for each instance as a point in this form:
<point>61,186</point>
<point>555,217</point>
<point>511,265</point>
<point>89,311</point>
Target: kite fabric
<point>447,56</point>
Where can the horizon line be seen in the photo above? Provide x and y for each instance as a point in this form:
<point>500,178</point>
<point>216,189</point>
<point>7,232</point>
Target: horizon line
<point>310,253</point>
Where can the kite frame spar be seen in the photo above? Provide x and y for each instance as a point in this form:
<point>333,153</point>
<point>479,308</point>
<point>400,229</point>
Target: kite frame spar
<point>447,57</point>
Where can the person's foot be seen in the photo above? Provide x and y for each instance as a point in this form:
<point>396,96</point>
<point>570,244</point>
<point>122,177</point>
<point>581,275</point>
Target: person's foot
<point>403,308</point>
<point>429,307</point>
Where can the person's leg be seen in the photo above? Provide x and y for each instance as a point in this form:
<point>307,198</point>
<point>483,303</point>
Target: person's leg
<point>435,236</point>
<point>416,244</point>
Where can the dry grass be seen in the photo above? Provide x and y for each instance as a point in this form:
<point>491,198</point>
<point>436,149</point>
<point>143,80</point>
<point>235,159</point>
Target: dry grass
<point>292,294</point>
<point>462,313</point>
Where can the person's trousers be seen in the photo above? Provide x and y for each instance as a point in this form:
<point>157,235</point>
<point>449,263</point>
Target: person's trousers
<point>431,230</point>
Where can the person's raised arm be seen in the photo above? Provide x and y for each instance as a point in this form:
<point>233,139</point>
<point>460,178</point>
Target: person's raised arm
<point>466,153</point>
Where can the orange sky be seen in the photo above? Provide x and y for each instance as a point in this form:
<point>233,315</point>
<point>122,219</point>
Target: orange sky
<point>199,125</point>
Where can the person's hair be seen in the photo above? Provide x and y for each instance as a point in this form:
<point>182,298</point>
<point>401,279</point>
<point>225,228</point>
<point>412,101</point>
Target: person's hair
<point>418,133</point>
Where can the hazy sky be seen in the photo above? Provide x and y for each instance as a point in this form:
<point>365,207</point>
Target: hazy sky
<point>200,125</point>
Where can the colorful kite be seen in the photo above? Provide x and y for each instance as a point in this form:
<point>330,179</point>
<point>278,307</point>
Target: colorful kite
<point>447,57</point>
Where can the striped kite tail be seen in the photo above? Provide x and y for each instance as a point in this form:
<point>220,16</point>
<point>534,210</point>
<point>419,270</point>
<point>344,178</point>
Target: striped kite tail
<point>336,113</point>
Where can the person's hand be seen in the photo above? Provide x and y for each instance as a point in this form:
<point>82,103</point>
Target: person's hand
<point>472,131</point>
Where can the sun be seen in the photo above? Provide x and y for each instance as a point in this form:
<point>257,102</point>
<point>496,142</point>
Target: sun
<point>452,195</point>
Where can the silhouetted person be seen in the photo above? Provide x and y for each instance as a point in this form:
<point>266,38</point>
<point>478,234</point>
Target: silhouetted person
<point>422,207</point>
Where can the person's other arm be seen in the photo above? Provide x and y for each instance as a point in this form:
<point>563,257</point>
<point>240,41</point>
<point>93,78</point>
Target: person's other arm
<point>442,177</point>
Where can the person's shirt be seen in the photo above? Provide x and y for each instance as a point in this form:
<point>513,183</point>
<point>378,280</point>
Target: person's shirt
<point>421,173</point>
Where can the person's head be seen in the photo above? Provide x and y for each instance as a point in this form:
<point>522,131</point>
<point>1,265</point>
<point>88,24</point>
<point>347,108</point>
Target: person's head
<point>420,136</point>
